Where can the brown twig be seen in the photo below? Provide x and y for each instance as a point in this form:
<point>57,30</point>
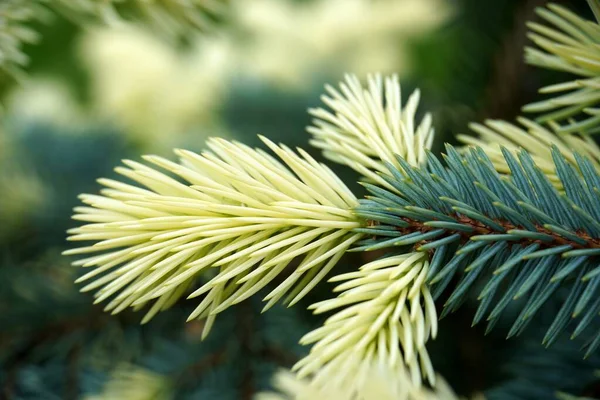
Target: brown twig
<point>479,228</point>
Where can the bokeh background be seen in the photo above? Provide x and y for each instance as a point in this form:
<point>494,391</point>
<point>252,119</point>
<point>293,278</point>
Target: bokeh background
<point>92,95</point>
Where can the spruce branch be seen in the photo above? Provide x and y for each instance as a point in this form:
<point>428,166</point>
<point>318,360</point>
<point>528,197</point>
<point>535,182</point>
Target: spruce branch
<point>516,234</point>
<point>383,305</point>
<point>568,43</point>
<point>367,126</point>
<point>385,311</point>
<point>235,211</point>
<point>247,215</point>
<point>536,139</point>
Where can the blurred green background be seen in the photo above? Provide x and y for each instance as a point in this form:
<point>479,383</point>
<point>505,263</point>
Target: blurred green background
<point>94,95</point>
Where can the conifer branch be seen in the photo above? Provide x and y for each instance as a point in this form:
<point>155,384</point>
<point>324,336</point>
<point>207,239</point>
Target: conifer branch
<point>385,311</point>
<point>516,234</point>
<point>367,126</point>
<point>568,43</point>
<point>235,210</point>
<point>536,139</point>
<point>247,215</point>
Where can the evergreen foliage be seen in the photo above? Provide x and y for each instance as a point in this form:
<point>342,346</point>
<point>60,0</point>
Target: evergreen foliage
<point>54,344</point>
<point>512,221</point>
<point>367,129</point>
<point>569,43</point>
<point>382,305</point>
<point>172,18</point>
<point>519,235</point>
<point>242,217</point>
<point>494,135</point>
<point>516,224</point>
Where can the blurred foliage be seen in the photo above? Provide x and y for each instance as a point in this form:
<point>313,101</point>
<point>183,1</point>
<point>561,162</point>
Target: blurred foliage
<point>534,374</point>
<point>15,16</point>
<point>472,68</point>
<point>173,19</point>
